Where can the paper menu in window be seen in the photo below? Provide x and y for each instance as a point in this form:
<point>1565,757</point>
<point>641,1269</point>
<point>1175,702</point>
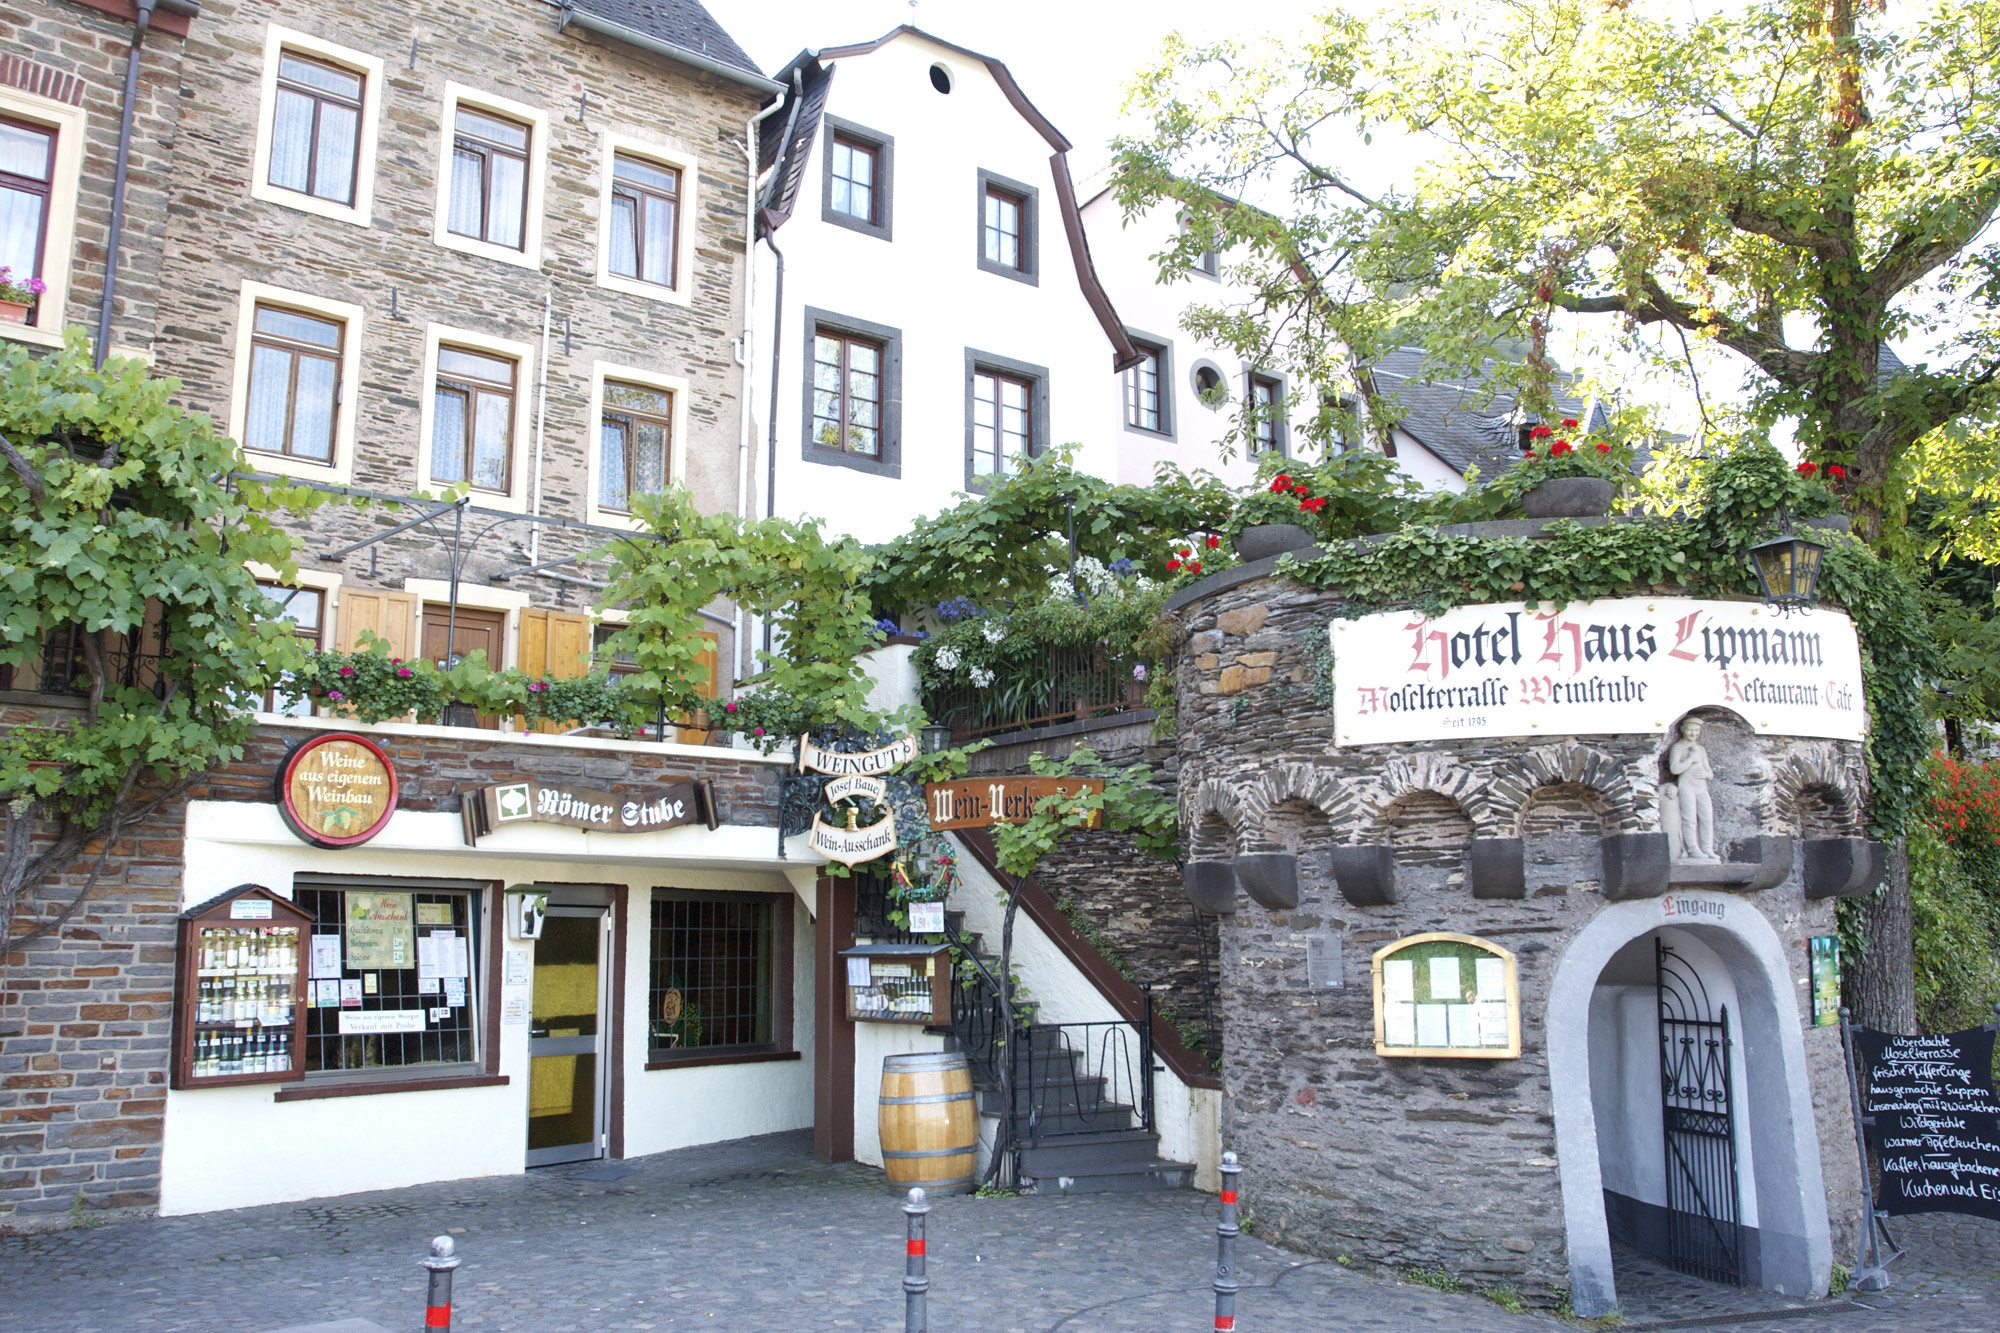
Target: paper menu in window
<point>517,968</point>
<point>350,992</point>
<point>1399,979</point>
<point>1462,1025</point>
<point>325,957</point>
<point>326,994</point>
<point>427,985</point>
<point>427,958</point>
<point>454,991</point>
<point>453,960</point>
<point>857,972</point>
<point>1444,980</point>
<point>1493,1024</point>
<point>1492,977</point>
<point>1399,1023</point>
<point>1432,1026</point>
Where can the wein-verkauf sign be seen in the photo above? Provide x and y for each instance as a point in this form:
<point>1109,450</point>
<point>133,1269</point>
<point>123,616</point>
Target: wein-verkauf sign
<point>531,802</point>
<point>1622,665</point>
<point>1937,1123</point>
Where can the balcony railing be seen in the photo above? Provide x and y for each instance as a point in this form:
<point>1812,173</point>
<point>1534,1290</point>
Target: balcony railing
<point>1056,684</point>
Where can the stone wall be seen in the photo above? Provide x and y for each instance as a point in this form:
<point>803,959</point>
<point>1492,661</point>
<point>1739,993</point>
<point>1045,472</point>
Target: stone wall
<point>1437,1163</point>
<point>86,1016</point>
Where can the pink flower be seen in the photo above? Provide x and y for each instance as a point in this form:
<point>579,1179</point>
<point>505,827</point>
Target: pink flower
<point>730,708</point>
<point>395,661</point>
<point>405,672</point>
<point>760,730</point>
<point>335,695</point>
<point>347,671</point>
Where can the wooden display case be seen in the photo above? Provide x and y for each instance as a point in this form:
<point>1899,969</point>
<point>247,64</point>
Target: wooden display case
<point>239,976</point>
<point>898,983</point>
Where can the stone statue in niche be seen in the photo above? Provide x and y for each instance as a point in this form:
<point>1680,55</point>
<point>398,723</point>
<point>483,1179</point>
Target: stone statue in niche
<point>1687,813</point>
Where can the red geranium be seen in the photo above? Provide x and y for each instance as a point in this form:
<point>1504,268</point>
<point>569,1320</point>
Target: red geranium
<point>1559,448</point>
<point>1569,423</point>
<point>1194,567</point>
<point>1301,490</point>
<point>1603,448</point>
<point>1281,483</point>
<point>1836,471</point>
<point>1808,468</point>
<point>1539,433</point>
<point>1213,541</point>
<point>1173,566</point>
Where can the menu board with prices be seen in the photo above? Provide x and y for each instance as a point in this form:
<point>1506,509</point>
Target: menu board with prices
<point>898,983</point>
<point>239,988</point>
<point>1936,1121</point>
<point>1446,996</point>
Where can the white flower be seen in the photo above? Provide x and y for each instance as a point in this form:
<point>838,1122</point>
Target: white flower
<point>994,631</point>
<point>981,677</point>
<point>946,659</point>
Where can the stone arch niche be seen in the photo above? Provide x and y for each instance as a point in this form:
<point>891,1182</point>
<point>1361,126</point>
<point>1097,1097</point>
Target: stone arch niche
<point>1562,827</point>
<point>1780,1174</point>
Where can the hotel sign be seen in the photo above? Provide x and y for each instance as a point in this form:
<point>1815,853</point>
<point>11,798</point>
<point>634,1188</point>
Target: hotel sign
<point>531,802</point>
<point>1628,665</point>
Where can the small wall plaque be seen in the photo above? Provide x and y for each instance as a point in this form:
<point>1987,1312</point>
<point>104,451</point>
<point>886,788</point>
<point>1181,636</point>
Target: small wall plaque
<point>1323,963</point>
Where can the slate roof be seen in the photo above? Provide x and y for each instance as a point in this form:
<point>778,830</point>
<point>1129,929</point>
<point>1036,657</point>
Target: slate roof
<point>803,122</point>
<point>683,23</point>
<point>1460,417</point>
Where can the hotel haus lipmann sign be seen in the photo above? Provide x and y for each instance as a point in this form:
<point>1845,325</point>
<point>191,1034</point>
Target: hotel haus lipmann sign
<point>336,790</point>
<point>1620,665</point>
<point>531,802</point>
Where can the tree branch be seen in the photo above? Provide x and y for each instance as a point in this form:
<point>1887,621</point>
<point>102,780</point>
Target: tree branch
<point>23,469</point>
<point>1654,305</point>
<point>1913,255</point>
<point>1745,218</point>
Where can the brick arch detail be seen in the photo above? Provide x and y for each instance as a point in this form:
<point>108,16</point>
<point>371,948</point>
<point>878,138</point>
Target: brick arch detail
<point>1566,763</point>
<point>1442,774</point>
<point>41,80</point>
<point>1815,765</point>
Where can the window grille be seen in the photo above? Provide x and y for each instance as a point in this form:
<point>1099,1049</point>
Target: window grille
<point>711,984</point>
<point>451,1039</point>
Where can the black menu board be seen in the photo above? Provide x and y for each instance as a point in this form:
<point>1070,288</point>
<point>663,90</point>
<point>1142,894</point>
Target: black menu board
<point>1937,1123</point>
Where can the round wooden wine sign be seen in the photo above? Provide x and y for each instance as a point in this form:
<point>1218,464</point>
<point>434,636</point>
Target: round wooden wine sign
<point>337,790</point>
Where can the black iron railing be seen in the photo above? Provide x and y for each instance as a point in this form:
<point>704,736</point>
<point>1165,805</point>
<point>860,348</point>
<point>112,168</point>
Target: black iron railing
<point>1085,1078</point>
<point>65,667</point>
<point>1053,685</point>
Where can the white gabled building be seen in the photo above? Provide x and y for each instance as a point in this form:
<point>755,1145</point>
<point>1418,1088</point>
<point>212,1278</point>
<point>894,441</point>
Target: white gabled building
<point>927,306</point>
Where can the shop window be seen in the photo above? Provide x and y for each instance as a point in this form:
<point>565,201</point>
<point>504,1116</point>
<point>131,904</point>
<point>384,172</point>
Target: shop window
<point>715,976</point>
<point>395,978</point>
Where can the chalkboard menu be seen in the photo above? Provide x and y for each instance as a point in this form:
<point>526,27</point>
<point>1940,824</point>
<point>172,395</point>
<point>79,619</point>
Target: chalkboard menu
<point>1937,1123</point>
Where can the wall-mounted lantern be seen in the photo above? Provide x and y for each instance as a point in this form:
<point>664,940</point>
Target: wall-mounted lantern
<point>1787,568</point>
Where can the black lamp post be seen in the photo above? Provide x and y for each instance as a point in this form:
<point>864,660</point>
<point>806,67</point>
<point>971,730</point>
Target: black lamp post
<point>936,738</point>
<point>1787,568</point>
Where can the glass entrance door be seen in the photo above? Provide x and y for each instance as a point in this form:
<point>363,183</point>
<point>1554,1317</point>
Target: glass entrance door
<point>566,1050</point>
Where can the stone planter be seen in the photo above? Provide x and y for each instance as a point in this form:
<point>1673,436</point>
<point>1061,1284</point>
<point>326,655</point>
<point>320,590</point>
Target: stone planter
<point>1266,539</point>
<point>1570,497</point>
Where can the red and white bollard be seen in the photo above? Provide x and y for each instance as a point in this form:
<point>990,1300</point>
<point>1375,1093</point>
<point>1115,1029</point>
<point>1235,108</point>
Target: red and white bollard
<point>916,1282</point>
<point>437,1305</point>
<point>1226,1232</point>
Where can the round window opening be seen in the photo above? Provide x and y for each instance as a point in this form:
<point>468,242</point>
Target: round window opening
<point>1209,385</point>
<point>941,78</point>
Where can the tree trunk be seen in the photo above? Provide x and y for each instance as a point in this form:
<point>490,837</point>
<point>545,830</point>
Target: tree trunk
<point>1882,983</point>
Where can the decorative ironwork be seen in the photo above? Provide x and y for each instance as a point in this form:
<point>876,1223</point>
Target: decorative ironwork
<point>1704,1237</point>
<point>1059,684</point>
<point>65,666</point>
<point>1085,1078</point>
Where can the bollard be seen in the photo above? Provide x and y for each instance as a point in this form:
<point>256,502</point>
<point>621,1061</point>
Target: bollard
<point>441,1262</point>
<point>916,1286</point>
<point>1226,1232</point>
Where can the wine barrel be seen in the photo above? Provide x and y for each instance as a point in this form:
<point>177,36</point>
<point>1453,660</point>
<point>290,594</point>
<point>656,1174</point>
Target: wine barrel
<point>929,1122</point>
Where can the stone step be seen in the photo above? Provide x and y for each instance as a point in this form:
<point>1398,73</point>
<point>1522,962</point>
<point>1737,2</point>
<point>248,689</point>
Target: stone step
<point>1129,1148</point>
<point>1154,1175</point>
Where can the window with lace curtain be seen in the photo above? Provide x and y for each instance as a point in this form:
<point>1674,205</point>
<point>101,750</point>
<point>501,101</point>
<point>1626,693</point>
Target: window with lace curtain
<point>645,220</point>
<point>316,128</point>
<point>635,437</point>
<point>489,178</point>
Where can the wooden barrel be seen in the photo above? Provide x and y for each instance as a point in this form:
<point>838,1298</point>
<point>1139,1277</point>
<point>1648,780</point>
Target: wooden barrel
<point>929,1122</point>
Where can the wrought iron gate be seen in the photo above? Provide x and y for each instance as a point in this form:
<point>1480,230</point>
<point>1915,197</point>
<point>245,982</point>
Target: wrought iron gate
<point>1703,1237</point>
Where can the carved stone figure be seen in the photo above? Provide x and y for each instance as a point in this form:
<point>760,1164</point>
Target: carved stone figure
<point>1695,811</point>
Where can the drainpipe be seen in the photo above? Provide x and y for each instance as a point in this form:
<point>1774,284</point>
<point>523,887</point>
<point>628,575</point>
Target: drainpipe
<point>189,9</point>
<point>751,194</point>
<point>541,418</point>
<point>771,449</point>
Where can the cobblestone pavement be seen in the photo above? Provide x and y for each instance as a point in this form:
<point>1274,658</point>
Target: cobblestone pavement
<point>755,1236</point>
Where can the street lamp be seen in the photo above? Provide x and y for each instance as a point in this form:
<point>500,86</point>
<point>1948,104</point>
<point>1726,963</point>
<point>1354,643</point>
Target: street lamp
<point>1787,568</point>
<point>936,738</point>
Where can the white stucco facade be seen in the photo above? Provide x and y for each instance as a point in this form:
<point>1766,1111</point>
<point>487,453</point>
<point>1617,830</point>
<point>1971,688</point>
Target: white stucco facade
<point>914,285</point>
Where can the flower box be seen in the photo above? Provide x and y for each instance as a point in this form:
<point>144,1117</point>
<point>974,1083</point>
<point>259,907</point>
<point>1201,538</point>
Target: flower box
<point>1267,539</point>
<point>14,312</point>
<point>1569,497</point>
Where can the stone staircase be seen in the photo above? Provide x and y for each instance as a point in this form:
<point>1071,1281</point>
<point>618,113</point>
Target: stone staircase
<point>1078,1125</point>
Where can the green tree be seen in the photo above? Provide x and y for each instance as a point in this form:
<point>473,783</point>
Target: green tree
<point>1791,160</point>
<point>119,533</point>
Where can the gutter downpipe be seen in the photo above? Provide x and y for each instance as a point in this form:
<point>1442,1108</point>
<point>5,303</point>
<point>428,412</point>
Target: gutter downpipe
<point>541,419</point>
<point>771,449</point>
<point>752,193</point>
<point>190,9</point>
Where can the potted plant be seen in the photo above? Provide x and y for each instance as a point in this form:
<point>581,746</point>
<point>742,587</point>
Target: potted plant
<point>17,298</point>
<point>1268,522</point>
<point>1561,478</point>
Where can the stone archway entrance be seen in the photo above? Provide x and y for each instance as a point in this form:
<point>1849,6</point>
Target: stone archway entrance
<point>1604,1068</point>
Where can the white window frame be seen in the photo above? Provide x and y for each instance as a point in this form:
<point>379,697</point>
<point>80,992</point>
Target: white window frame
<point>537,121</point>
<point>519,483</point>
<point>361,212</point>
<point>660,153</point>
<point>344,433</point>
<point>58,248</point>
<point>676,385</point>
<point>324,582</point>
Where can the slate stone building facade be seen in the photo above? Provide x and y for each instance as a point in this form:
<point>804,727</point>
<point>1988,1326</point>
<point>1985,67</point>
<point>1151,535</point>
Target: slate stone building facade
<point>1508,1172</point>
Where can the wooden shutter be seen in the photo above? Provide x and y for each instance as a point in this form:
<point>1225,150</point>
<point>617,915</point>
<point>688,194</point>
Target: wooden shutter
<point>391,616</point>
<point>711,657</point>
<point>555,644</point>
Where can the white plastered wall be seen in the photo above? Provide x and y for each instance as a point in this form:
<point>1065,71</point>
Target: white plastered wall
<point>237,1147</point>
